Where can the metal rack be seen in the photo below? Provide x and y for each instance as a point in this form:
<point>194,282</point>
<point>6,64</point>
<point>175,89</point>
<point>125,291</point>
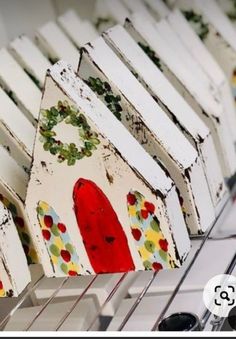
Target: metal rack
<point>207,320</point>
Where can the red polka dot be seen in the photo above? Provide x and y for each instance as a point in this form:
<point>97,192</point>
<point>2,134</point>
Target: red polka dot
<point>131,199</point>
<point>163,244</point>
<point>48,221</point>
<point>144,214</point>
<point>65,255</point>
<point>72,273</point>
<point>149,207</point>
<point>136,233</point>
<point>157,266</point>
<point>46,234</point>
<point>61,227</point>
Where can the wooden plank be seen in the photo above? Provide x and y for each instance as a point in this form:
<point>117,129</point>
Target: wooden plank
<point>22,89</point>
<point>14,274</point>
<point>55,44</point>
<point>172,103</point>
<point>109,12</point>
<point>79,31</point>
<point>30,58</point>
<point>208,64</point>
<point>114,170</point>
<point>216,41</point>
<point>138,108</point>
<point>189,86</point>
<point>158,8</point>
<point>17,133</point>
<point>139,7</point>
<point>13,184</point>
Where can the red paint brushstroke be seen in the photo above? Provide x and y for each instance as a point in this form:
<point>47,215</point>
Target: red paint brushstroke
<point>103,236</point>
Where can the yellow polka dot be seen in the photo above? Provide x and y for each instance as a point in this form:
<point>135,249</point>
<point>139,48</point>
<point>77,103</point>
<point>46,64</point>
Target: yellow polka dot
<point>145,255</point>
<point>73,267</point>
<point>2,293</point>
<point>154,236</point>
<point>44,206</point>
<point>58,242</point>
<point>54,259</point>
<point>132,210</point>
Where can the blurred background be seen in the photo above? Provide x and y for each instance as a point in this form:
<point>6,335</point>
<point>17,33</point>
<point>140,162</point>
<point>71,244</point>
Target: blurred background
<point>25,16</point>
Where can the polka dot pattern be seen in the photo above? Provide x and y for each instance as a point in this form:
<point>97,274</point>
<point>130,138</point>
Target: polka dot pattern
<point>64,258</point>
<point>145,228</point>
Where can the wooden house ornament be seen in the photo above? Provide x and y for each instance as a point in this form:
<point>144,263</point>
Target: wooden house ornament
<point>97,202</point>
<point>144,118</point>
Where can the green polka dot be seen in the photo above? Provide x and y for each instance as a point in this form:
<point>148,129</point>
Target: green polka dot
<point>69,248</point>
<point>40,210</point>
<point>163,255</point>
<point>155,225</point>
<point>55,230</point>
<point>150,246</point>
<point>55,250</point>
<point>147,265</point>
<point>64,268</point>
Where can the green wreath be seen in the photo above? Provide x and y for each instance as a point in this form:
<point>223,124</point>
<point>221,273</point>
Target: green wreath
<point>66,152</point>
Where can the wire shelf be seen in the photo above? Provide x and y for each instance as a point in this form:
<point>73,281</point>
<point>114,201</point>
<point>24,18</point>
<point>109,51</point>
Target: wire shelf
<point>213,234</point>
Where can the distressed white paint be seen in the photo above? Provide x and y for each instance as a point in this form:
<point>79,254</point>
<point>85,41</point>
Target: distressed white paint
<point>219,20</point>
<point>25,92</point>
<point>13,181</point>
<point>134,168</point>
<point>14,272</point>
<point>216,43</point>
<point>138,6</point>
<point>208,64</point>
<point>190,86</point>
<point>17,132</point>
<point>158,7</point>
<point>101,289</point>
<point>55,44</point>
<point>12,174</point>
<point>172,103</point>
<point>173,150</point>
<point>113,10</point>
<point>79,31</point>
<point>30,58</point>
